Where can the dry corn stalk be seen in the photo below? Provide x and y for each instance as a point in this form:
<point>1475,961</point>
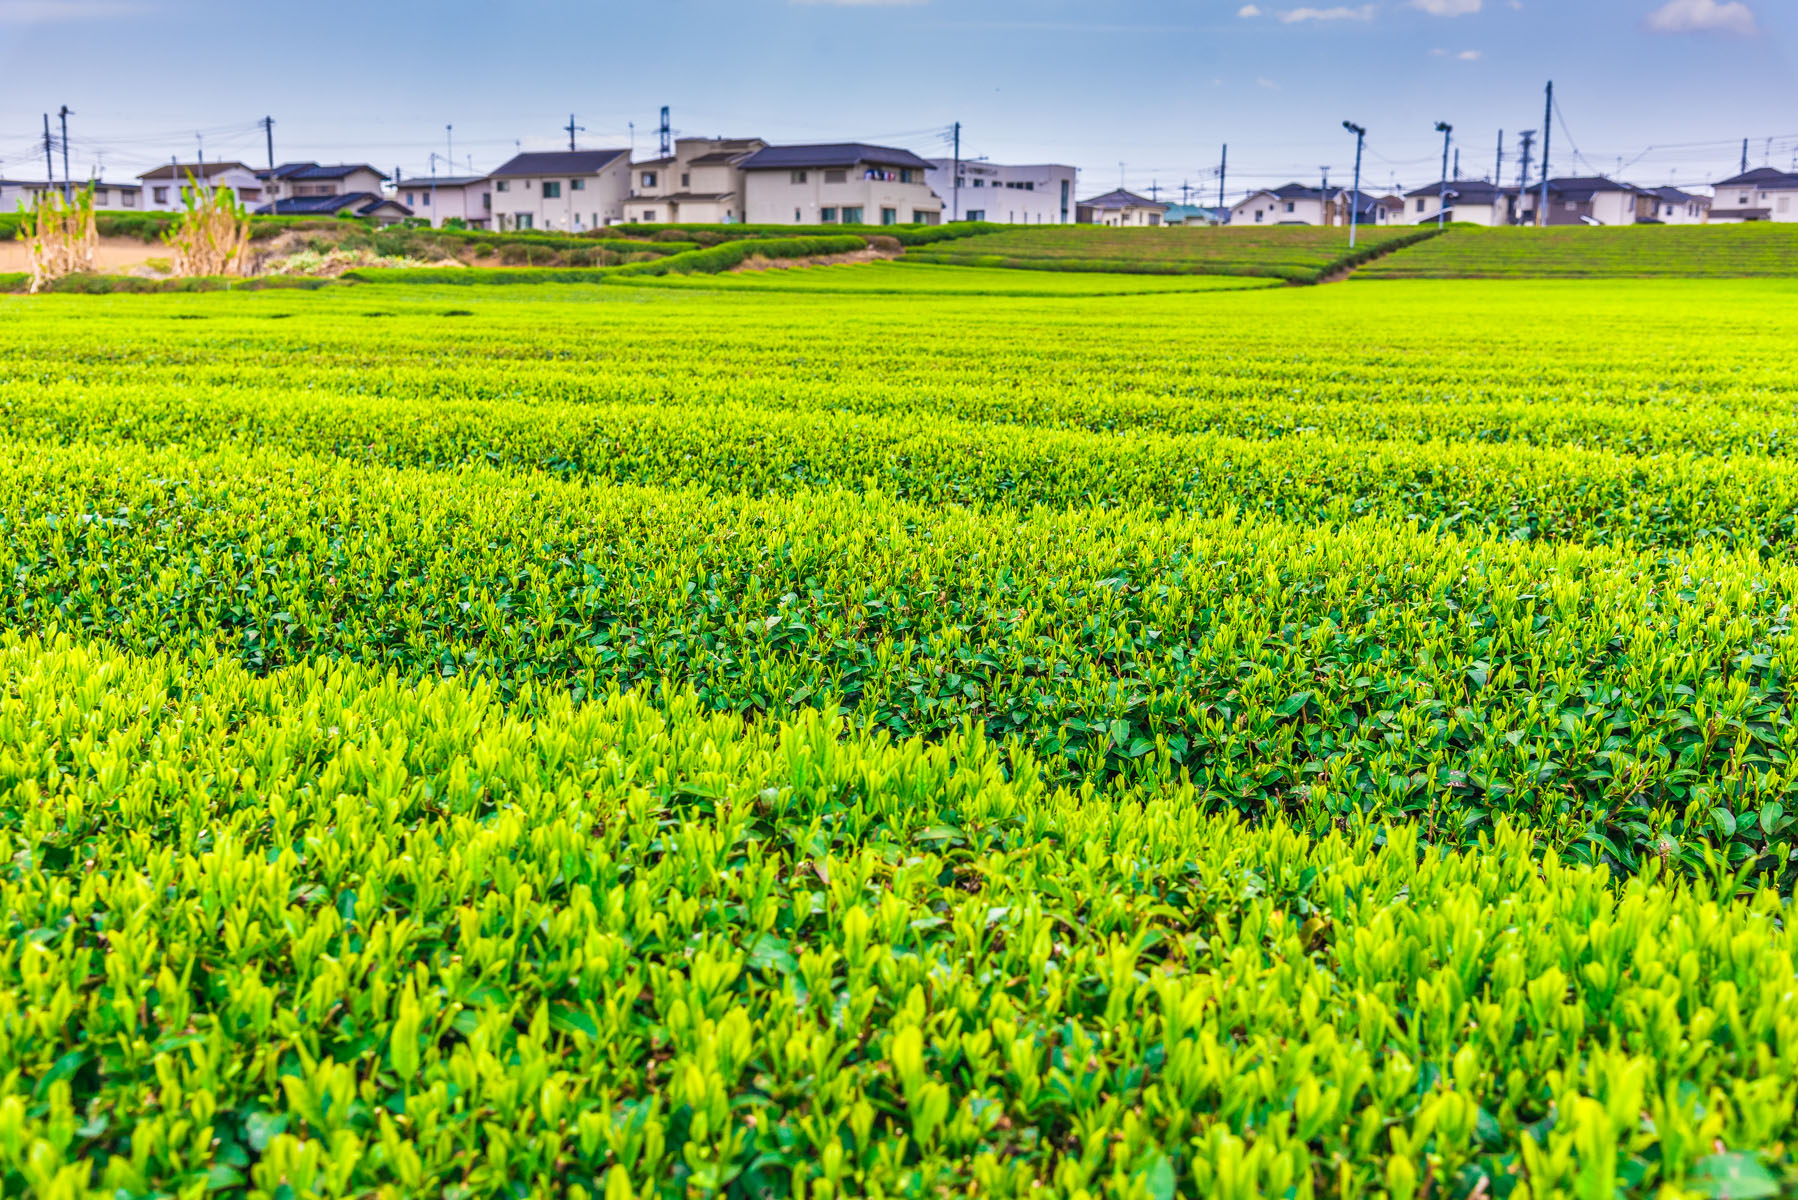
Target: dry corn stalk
<point>213,235</point>
<point>59,234</point>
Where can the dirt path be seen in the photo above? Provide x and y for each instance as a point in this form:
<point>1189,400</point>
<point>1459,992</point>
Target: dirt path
<point>817,260</point>
<point>114,255</point>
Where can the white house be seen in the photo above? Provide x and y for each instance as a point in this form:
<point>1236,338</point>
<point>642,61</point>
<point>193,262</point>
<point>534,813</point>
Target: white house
<point>441,198</point>
<point>162,187</point>
<point>108,197</point>
<point>1472,201</point>
<point>842,183</point>
<point>1760,195</point>
<point>701,183</point>
<point>569,190</point>
<point>1294,204</point>
<point>1121,209</point>
<point>1675,207</point>
<point>1587,200</point>
<point>1042,194</point>
<point>310,179</point>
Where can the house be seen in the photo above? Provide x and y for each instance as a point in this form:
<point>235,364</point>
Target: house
<point>1472,201</point>
<point>1674,207</point>
<point>1368,209</point>
<point>1042,194</point>
<point>446,197</point>
<point>372,205</point>
<point>1293,204</point>
<point>310,179</point>
<point>701,183</point>
<point>1587,200</point>
<point>108,197</point>
<point>840,183</point>
<point>570,190</point>
<point>162,187</point>
<point>1121,209</point>
<point>1760,195</point>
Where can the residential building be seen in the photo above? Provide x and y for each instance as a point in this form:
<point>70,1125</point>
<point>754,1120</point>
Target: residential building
<point>840,183</point>
<point>162,187</point>
<point>1675,207</point>
<point>442,198</point>
<point>1121,209</point>
<point>1471,201</point>
<point>1369,209</point>
<point>311,179</point>
<point>568,190</point>
<point>1293,204</point>
<point>1587,200</point>
<point>1042,194</point>
<point>108,197</point>
<point>701,183</point>
<point>1760,195</point>
<point>376,207</point>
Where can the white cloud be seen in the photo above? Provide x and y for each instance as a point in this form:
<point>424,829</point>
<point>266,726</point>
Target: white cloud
<point>1293,16</point>
<point>1470,55</point>
<point>1248,10</point>
<point>1704,16</point>
<point>35,12</point>
<point>1447,8</point>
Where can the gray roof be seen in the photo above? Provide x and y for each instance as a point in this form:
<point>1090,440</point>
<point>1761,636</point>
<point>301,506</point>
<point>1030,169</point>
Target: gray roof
<point>363,203</point>
<point>197,170</point>
<point>1674,196</point>
<point>833,154</point>
<point>559,162</point>
<point>1474,191</point>
<point>312,170</point>
<point>1766,177</point>
<point>1122,198</point>
<point>425,182</point>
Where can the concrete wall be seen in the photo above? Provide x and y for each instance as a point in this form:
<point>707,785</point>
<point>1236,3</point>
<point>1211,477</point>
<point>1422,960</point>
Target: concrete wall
<point>1040,194</point>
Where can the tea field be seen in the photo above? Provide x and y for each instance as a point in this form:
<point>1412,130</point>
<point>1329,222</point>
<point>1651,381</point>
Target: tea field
<point>863,732</point>
<point>1752,249</point>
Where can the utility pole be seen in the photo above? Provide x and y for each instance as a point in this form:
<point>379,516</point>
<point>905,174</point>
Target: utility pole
<point>1548,116</point>
<point>1457,164</point>
<point>268,127</point>
<point>1355,198</point>
<point>572,128</point>
<point>1223,167</point>
<point>1155,191</point>
<point>49,167</point>
<point>449,146</point>
<point>955,183</point>
<point>667,134</point>
<point>64,114</point>
<point>1744,156</point>
<point>1498,164</point>
<point>1447,131</point>
<point>1323,196</point>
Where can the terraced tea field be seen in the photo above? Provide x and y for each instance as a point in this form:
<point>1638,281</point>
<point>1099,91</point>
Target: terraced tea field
<point>795,737</point>
<point>1760,249</point>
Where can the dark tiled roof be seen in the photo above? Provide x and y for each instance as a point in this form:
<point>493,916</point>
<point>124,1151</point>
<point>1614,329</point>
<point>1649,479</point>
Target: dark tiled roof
<point>1297,191</point>
<point>1586,185</point>
<point>426,183</point>
<point>362,203</point>
<point>1674,196</point>
<point>312,170</point>
<point>1122,199</point>
<point>1766,177</point>
<point>833,154</point>
<point>1470,190</point>
<point>560,162</point>
<point>197,170</point>
<point>719,158</point>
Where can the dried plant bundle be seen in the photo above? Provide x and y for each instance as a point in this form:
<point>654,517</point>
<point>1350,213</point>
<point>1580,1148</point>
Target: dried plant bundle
<point>59,234</point>
<point>213,234</point>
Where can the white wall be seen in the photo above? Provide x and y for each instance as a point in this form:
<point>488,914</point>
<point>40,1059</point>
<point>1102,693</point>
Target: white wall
<point>464,201</point>
<point>108,197</point>
<point>1781,204</point>
<point>776,197</point>
<point>249,189</point>
<point>597,202</point>
<point>1043,194</point>
<point>1275,211</point>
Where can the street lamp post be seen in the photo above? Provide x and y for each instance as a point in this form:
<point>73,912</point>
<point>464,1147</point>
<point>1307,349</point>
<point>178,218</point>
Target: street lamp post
<point>1447,131</point>
<point>1355,196</point>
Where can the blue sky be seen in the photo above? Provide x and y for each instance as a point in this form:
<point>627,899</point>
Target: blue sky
<point>1669,86</point>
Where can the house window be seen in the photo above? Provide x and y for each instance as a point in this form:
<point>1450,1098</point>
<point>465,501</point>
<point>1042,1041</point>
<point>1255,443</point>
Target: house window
<point>649,214</point>
<point>828,216</point>
<point>836,177</point>
<point>980,183</point>
<point>1785,204</point>
<point>128,199</point>
<point>552,189</point>
<point>502,186</point>
<point>524,221</point>
<point>577,185</point>
<point>1742,200</point>
<point>889,216</point>
<point>905,175</point>
<point>1290,206</point>
<point>649,179</point>
<point>487,202</point>
<point>425,199</point>
<point>102,196</point>
<point>1257,216</point>
<point>797,177</point>
<point>798,217</point>
<point>1421,202</point>
<point>852,216</point>
<point>160,195</point>
<point>686,180</point>
<point>409,200</point>
<point>976,214</point>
